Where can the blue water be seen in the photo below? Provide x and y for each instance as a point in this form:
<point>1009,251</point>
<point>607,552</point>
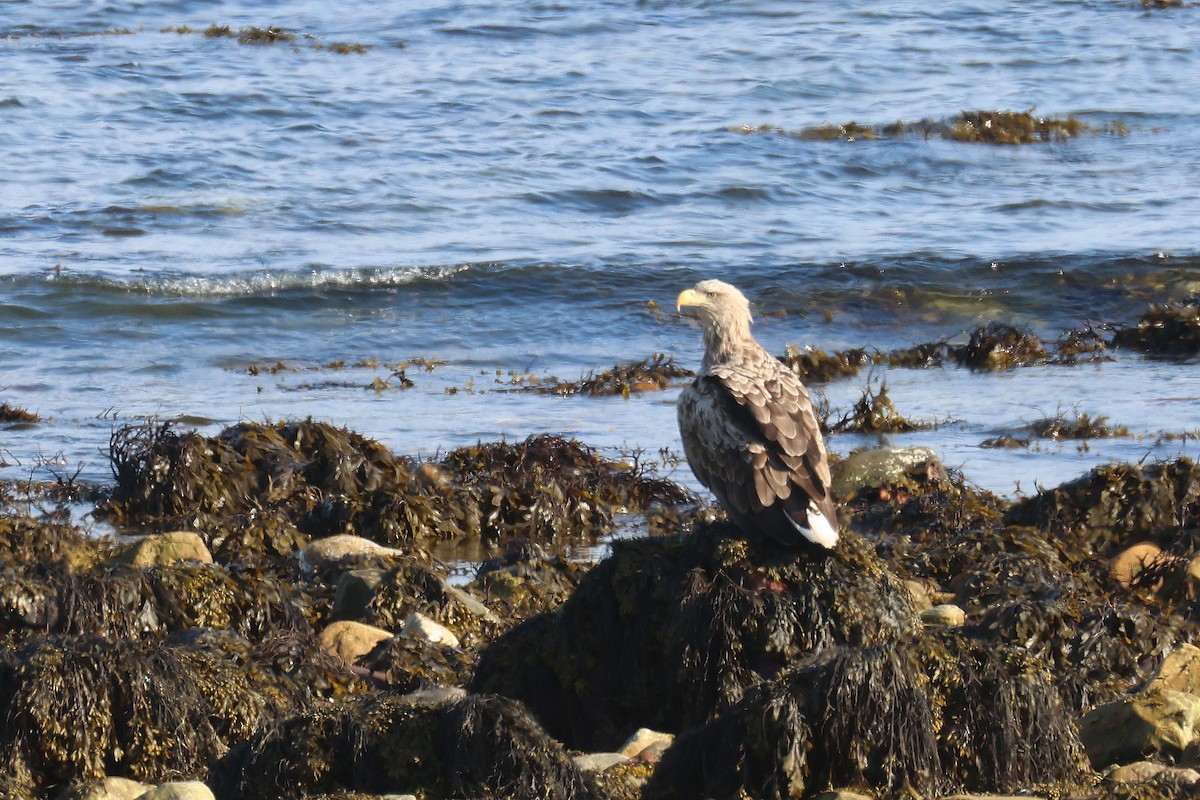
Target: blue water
<point>506,186</point>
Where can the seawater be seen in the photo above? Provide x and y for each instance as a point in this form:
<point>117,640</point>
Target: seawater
<point>513,189</point>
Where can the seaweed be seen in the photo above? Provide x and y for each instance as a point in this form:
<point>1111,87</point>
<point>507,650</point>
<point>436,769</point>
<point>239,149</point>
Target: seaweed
<point>817,366</point>
<point>1114,505</point>
<point>998,345</point>
<point>1168,329</point>
<point>1080,426</point>
<point>669,632</point>
<point>16,414</point>
<point>1013,127</point>
<point>270,35</point>
<point>75,709</point>
<point>650,374</point>
<point>902,718</point>
<point>441,745</point>
<point>875,412</point>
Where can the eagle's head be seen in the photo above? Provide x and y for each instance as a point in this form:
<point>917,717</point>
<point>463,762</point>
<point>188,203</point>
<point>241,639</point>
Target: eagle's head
<point>723,311</point>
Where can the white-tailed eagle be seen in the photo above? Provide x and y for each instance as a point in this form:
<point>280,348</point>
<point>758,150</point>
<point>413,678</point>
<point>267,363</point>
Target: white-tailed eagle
<point>749,431</point>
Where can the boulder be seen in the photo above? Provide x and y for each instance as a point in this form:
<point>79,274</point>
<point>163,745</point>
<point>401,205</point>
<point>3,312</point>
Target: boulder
<point>419,625</point>
<point>179,790</point>
<point>1159,721</point>
<point>1142,771</point>
<point>164,549</point>
<point>1125,566</point>
<point>351,641</point>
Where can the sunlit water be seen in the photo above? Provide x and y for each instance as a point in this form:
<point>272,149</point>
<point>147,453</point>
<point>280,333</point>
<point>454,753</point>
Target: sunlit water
<point>507,191</point>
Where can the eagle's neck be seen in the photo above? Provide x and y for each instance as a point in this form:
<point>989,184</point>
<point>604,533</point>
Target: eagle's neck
<point>727,340</point>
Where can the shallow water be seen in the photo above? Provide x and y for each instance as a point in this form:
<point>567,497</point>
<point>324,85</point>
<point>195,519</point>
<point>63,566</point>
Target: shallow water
<point>509,190</point>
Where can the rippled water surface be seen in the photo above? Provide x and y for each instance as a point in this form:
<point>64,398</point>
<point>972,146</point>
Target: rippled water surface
<point>505,186</point>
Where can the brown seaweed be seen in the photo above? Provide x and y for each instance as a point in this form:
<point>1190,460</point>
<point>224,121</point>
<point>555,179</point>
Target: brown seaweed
<point>1169,329</point>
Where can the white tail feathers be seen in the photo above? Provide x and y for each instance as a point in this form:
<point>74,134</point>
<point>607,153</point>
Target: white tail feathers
<point>819,529</point>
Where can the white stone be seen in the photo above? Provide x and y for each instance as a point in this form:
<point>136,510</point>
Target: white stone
<point>420,626</point>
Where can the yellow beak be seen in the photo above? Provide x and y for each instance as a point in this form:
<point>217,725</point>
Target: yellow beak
<point>688,297</point>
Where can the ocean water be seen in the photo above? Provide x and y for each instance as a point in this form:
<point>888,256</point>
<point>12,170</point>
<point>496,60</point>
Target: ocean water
<point>496,190</point>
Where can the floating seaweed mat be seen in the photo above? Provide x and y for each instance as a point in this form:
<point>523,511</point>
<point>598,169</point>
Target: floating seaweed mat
<point>1114,505</point>
<point>437,746</point>
<point>903,718</point>
<point>132,603</point>
<point>1171,329</point>
<point>76,709</point>
<point>668,632</point>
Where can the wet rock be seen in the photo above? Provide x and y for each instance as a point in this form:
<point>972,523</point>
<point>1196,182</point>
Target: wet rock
<point>421,626</point>
<point>598,762</point>
<point>945,615</point>
<point>1125,566</point>
<point>888,467</point>
<point>179,790</point>
<point>350,640</point>
<point>111,788</point>
<point>476,746</point>
<point>1179,671</point>
<point>920,592</point>
<point>1159,721</point>
<point>164,549</point>
<point>332,549</point>
<point>644,739</point>
<point>1142,771</point>
<point>670,631</point>
<point>355,589</point>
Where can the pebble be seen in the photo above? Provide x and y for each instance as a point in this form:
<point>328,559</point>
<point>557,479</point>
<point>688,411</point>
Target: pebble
<point>419,625</point>
<point>645,739</point>
<point>1126,565</point>
<point>598,762</point>
<point>112,788</point>
<point>946,615</point>
<point>178,790</point>
<point>335,548</point>
<point>349,640</point>
<point>165,549</point>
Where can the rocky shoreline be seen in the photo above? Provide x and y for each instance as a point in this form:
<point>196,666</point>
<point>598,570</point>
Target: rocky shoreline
<point>275,626</point>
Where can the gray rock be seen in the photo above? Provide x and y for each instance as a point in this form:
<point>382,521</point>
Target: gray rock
<point>354,591</point>
<point>334,548</point>
<point>1155,721</point>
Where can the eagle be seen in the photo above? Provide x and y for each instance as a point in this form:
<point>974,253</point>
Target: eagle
<point>749,431</point>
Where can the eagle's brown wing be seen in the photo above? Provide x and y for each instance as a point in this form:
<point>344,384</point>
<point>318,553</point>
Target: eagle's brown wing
<point>750,435</point>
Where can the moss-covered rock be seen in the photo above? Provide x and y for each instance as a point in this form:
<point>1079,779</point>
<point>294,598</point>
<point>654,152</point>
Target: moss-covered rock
<point>668,632</point>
